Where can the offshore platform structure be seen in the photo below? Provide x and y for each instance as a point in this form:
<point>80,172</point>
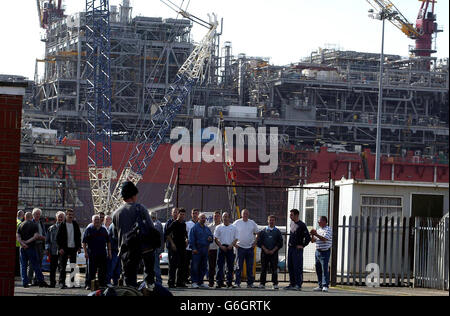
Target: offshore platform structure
<point>98,105</point>
<point>424,32</point>
<point>152,135</point>
<point>45,180</point>
<point>327,99</point>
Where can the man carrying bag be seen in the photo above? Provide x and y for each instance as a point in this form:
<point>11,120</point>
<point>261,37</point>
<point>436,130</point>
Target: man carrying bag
<point>137,237</point>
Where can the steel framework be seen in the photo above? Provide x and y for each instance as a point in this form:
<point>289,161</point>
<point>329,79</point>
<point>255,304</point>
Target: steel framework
<point>98,102</point>
<point>327,99</point>
<point>148,141</point>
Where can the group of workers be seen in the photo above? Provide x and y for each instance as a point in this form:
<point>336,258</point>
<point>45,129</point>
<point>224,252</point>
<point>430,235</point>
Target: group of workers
<point>196,250</point>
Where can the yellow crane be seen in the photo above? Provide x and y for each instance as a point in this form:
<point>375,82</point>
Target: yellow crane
<point>422,32</point>
<point>230,173</point>
<point>398,20</point>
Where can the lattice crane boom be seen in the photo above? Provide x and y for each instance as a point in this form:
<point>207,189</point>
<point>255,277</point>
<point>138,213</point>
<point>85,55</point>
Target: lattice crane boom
<point>229,170</point>
<point>422,32</point>
<point>398,20</point>
<point>98,102</point>
<point>148,141</point>
<point>41,22</point>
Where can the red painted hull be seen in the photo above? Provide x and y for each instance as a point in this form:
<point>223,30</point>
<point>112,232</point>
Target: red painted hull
<point>320,164</point>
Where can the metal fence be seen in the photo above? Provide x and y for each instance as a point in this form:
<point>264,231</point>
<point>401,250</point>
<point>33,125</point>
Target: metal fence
<point>405,251</point>
<point>431,253</point>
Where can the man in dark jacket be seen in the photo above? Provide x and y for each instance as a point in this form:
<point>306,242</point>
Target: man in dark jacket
<point>160,250</point>
<point>114,264</point>
<point>27,234</point>
<point>270,241</point>
<point>51,247</point>
<point>177,237</point>
<point>175,211</point>
<point>69,244</point>
<point>124,219</point>
<point>299,238</point>
<point>95,241</point>
<point>39,244</point>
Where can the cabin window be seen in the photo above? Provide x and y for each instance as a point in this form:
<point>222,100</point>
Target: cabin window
<point>381,206</point>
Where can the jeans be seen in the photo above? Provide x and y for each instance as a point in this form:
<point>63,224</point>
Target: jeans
<point>295,266</point>
<point>54,261</point>
<point>114,269</point>
<point>131,267</point>
<point>187,265</point>
<point>97,262</point>
<point>266,261</point>
<point>71,254</point>
<point>177,267</point>
<point>212,262</point>
<point>199,266</point>
<point>157,268</point>
<point>228,257</point>
<point>40,253</point>
<point>249,256</point>
<point>322,270</point>
<point>17,267</point>
<point>30,256</point>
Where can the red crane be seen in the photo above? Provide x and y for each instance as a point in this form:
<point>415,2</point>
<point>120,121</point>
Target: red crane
<point>426,26</point>
<point>424,30</point>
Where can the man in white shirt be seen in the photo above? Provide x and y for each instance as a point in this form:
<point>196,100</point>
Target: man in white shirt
<point>69,243</point>
<point>212,252</point>
<point>323,239</point>
<point>225,237</point>
<point>247,231</point>
<point>194,214</point>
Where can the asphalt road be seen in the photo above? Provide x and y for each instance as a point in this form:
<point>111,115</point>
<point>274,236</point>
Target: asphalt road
<point>244,292</point>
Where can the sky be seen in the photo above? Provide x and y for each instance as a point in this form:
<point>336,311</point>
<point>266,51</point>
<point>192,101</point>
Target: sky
<point>284,30</point>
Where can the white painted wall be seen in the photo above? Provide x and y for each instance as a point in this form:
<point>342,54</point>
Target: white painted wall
<point>309,260</point>
<point>403,190</point>
<point>350,205</point>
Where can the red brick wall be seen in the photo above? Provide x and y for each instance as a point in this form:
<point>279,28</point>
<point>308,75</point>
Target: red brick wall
<point>10,123</point>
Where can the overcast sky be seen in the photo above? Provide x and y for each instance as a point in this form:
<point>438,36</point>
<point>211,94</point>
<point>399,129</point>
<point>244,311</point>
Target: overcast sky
<point>284,30</point>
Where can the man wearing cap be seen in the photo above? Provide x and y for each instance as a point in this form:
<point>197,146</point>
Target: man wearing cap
<point>124,220</point>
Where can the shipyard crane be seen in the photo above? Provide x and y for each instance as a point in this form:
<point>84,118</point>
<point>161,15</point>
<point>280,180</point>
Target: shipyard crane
<point>192,72</point>
<point>422,32</point>
<point>229,169</point>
